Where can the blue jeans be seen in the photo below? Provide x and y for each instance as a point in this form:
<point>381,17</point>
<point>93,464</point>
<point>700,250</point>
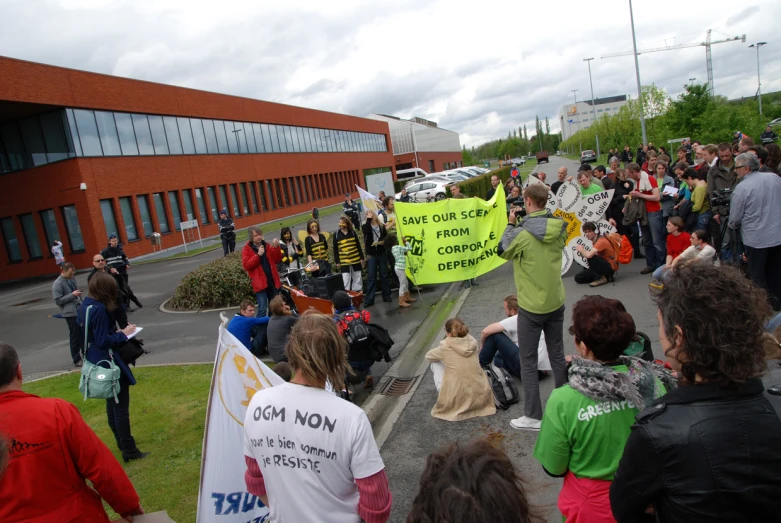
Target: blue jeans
<point>653,240</point>
<point>504,353</point>
<point>702,221</point>
<point>363,368</point>
<point>263,298</point>
<point>374,263</point>
<point>662,273</point>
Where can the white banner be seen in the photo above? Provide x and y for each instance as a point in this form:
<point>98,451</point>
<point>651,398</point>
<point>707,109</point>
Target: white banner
<point>368,200</point>
<point>222,497</point>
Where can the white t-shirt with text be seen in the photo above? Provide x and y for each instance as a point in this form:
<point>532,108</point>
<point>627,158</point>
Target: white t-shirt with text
<point>310,446</point>
<point>510,325</point>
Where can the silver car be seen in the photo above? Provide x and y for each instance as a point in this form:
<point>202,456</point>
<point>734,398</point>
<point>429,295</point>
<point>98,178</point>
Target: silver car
<point>427,190</point>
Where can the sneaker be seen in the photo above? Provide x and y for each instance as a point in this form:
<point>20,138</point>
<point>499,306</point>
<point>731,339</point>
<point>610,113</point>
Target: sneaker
<point>599,282</point>
<point>647,270</point>
<point>525,423</point>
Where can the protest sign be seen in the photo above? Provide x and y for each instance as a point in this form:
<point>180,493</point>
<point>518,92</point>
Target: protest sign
<point>368,200</point>
<point>222,497</point>
<point>454,239</point>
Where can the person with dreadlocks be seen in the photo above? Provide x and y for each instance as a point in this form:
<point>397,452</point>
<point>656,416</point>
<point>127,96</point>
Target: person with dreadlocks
<point>588,421</point>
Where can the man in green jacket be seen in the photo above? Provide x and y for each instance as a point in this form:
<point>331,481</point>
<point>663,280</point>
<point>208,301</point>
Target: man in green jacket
<point>535,247</point>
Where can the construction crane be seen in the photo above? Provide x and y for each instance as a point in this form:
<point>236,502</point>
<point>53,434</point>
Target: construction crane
<point>707,44</point>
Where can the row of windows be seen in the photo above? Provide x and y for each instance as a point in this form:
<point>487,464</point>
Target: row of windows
<point>50,228</point>
<point>204,204</point>
<point>59,135</point>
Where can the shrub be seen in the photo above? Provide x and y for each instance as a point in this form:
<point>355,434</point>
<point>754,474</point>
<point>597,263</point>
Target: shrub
<point>479,185</point>
<point>220,283</point>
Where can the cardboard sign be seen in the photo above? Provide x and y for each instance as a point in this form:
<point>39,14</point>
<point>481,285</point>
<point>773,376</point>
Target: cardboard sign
<point>569,196</point>
<point>572,246</point>
<point>593,206</point>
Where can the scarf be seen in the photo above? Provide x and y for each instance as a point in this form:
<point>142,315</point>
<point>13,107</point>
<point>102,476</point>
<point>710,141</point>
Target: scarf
<point>644,184</point>
<point>603,383</point>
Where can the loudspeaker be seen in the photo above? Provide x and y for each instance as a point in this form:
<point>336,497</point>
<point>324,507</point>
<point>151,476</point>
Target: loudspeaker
<point>328,285</point>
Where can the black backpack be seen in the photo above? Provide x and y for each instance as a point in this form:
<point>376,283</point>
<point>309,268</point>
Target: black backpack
<point>502,385</point>
<point>354,329</point>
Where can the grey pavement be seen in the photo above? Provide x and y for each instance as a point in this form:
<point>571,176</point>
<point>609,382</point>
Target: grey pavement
<point>416,433</point>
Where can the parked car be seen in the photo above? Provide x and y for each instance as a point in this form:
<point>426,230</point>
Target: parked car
<point>518,161</point>
<point>427,190</point>
<point>775,123</point>
<point>404,174</point>
<point>542,157</point>
<point>588,156</point>
<point>457,177</point>
<point>439,177</point>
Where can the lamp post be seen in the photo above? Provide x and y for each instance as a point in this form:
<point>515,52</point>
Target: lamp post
<point>593,106</point>
<point>577,115</point>
<point>759,81</point>
<point>637,74</point>
<point>692,80</point>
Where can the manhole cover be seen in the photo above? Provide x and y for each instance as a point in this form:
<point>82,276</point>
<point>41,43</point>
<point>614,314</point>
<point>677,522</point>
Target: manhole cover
<point>398,386</point>
<point>27,302</point>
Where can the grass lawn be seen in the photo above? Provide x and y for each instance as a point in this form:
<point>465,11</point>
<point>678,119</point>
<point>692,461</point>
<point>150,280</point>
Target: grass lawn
<point>167,414</point>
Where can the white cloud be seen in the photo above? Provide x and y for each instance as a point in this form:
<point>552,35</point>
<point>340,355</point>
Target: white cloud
<point>477,68</point>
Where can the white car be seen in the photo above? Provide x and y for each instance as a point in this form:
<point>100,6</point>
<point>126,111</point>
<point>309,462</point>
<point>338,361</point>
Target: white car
<point>457,177</point>
<point>427,190</point>
<point>462,171</point>
<point>518,161</point>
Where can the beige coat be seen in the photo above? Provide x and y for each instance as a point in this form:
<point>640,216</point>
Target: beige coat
<point>465,391</point>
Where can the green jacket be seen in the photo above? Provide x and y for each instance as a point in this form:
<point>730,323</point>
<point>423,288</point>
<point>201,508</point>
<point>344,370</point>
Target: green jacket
<point>535,248</point>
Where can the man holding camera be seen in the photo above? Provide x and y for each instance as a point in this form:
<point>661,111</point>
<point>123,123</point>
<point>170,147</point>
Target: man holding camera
<point>755,212</point>
<point>534,247</point>
<point>721,176</point>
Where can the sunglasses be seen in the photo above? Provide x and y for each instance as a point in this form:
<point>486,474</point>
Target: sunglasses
<point>98,261</point>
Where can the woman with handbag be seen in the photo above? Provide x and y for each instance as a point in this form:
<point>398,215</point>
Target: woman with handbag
<point>101,338</point>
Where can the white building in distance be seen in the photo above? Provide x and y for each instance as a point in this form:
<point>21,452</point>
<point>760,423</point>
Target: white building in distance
<point>421,143</point>
<point>573,118</point>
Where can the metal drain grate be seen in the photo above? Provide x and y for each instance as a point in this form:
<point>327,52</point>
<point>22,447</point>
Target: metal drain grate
<point>398,386</point>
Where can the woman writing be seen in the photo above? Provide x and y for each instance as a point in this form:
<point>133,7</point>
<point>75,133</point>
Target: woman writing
<point>587,422</point>
<point>330,466</point>
<point>348,255</point>
<point>374,235</point>
<point>465,391</point>
<point>104,336</point>
<point>317,249</point>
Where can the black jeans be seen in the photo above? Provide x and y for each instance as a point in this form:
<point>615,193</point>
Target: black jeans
<point>76,337</point>
<point>130,296</point>
<point>377,264</point>
<point>764,269</point>
<point>597,267</point>
<point>228,246</point>
<point>119,418</point>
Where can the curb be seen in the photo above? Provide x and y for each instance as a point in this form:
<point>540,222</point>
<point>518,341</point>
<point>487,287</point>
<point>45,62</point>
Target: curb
<point>162,308</point>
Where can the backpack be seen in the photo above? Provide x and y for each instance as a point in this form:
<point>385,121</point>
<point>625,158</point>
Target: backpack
<point>352,325</point>
<point>625,252</point>
<point>502,385</point>
<point>617,242</point>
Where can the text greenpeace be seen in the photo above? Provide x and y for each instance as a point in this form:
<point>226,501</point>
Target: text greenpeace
<point>452,240</point>
<point>605,407</point>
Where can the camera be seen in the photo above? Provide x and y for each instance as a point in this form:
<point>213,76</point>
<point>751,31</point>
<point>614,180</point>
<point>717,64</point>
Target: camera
<point>521,212</point>
<point>721,198</point>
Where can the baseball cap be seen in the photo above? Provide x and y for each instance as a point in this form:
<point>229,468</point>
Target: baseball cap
<point>224,211</point>
<point>347,195</point>
<point>112,236</point>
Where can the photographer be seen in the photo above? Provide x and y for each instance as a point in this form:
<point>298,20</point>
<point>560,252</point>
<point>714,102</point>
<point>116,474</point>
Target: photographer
<point>720,176</point>
<point>755,212</point>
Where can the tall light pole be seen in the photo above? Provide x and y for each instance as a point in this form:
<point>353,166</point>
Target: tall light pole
<point>580,143</point>
<point>637,73</point>
<point>692,80</point>
<point>593,106</point>
<point>759,81</point>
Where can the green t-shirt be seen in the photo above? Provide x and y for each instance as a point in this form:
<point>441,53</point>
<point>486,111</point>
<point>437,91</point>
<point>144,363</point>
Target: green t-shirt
<point>593,188</point>
<point>582,435</point>
<point>700,200</point>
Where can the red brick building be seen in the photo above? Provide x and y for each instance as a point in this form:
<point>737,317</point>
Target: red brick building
<point>83,155</point>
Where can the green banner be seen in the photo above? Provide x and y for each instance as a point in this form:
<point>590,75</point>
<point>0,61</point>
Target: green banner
<point>454,239</point>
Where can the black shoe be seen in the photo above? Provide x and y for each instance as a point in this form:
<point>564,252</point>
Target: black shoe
<point>79,363</point>
<point>647,270</point>
<point>474,282</point>
<point>138,304</point>
<point>387,300</point>
<point>136,455</point>
<point>639,256</point>
<point>368,303</point>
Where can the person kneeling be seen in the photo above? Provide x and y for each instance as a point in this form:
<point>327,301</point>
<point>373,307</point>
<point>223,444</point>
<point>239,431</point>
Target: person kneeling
<point>500,343</point>
<point>465,391</point>
<point>243,324</point>
<point>602,259</point>
<point>353,325</point>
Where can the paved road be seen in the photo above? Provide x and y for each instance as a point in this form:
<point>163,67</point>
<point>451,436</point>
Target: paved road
<point>42,341</point>
<point>416,434</point>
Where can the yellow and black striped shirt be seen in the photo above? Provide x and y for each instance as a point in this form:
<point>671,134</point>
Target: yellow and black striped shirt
<point>317,250</point>
<point>347,249</point>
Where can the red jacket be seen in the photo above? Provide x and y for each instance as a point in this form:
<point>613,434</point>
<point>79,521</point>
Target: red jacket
<point>53,453</point>
<point>251,262</point>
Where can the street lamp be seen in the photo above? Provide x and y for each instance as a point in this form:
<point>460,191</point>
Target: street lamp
<point>692,80</point>
<point>637,73</point>
<point>577,114</point>
<point>593,106</point>
<point>759,82</point>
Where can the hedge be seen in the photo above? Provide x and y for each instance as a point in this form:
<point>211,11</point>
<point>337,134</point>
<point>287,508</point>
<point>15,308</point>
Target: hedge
<point>479,185</point>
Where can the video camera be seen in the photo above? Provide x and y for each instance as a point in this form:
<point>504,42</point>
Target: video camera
<point>521,212</point>
<point>721,198</point>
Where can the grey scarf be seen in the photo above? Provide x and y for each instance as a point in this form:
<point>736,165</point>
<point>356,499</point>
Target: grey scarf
<point>638,386</point>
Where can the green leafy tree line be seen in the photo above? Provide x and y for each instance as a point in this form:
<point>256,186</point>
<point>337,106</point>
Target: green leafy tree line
<point>517,143</point>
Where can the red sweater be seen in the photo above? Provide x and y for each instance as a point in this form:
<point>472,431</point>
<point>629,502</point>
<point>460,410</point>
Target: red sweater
<point>53,453</point>
<point>677,244</point>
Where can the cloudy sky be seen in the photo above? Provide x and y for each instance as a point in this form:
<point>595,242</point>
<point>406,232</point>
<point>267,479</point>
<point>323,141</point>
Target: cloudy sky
<point>478,68</point>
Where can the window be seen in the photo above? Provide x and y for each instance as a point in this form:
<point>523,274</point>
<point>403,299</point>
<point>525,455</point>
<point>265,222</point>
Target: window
<point>109,220</point>
<point>297,147</point>
<point>176,211</point>
<point>234,200</point>
<point>241,136</point>
<point>222,138</point>
<point>127,216</point>
<point>50,226</point>
<point>88,132</point>
<point>188,205</point>
<point>146,217</point>
<point>311,187</point>
<point>270,192</point>
<point>280,137</point>
<point>211,136</point>
<point>11,242</point>
<point>31,236</point>
<point>225,204</point>
<point>158,134</point>
<point>54,136</point>
<point>33,140</point>
<point>254,196</point>
<point>127,137</point>
<point>73,132</point>
<point>286,191</point>
<point>201,206</point>
<point>172,134</point>
<point>196,125</point>
<point>297,185</point>
<point>257,131</point>
<point>107,129</point>
<point>162,217</point>
<point>244,200</point>
<point>143,134</point>
<point>305,140</point>
<point>278,193</point>
<point>431,167</point>
<point>233,139</point>
<point>268,139</point>
<point>188,145</point>
<point>250,136</point>
<point>213,203</point>
<point>75,239</point>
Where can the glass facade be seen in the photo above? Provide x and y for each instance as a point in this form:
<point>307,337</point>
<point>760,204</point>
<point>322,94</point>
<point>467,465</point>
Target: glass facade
<point>162,217</point>
<point>224,205</point>
<point>50,227</point>
<point>173,200</point>
<point>201,206</point>
<point>188,205</point>
<point>213,205</point>
<point>31,236</point>
<point>235,201</point>
<point>109,220</point>
<point>127,216</point>
<point>75,239</point>
<point>10,239</point>
<point>146,217</point>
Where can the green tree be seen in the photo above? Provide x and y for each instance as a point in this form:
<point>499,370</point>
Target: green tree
<point>547,126</point>
<point>684,115</point>
<point>467,156</point>
<point>655,103</point>
<point>525,133</point>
